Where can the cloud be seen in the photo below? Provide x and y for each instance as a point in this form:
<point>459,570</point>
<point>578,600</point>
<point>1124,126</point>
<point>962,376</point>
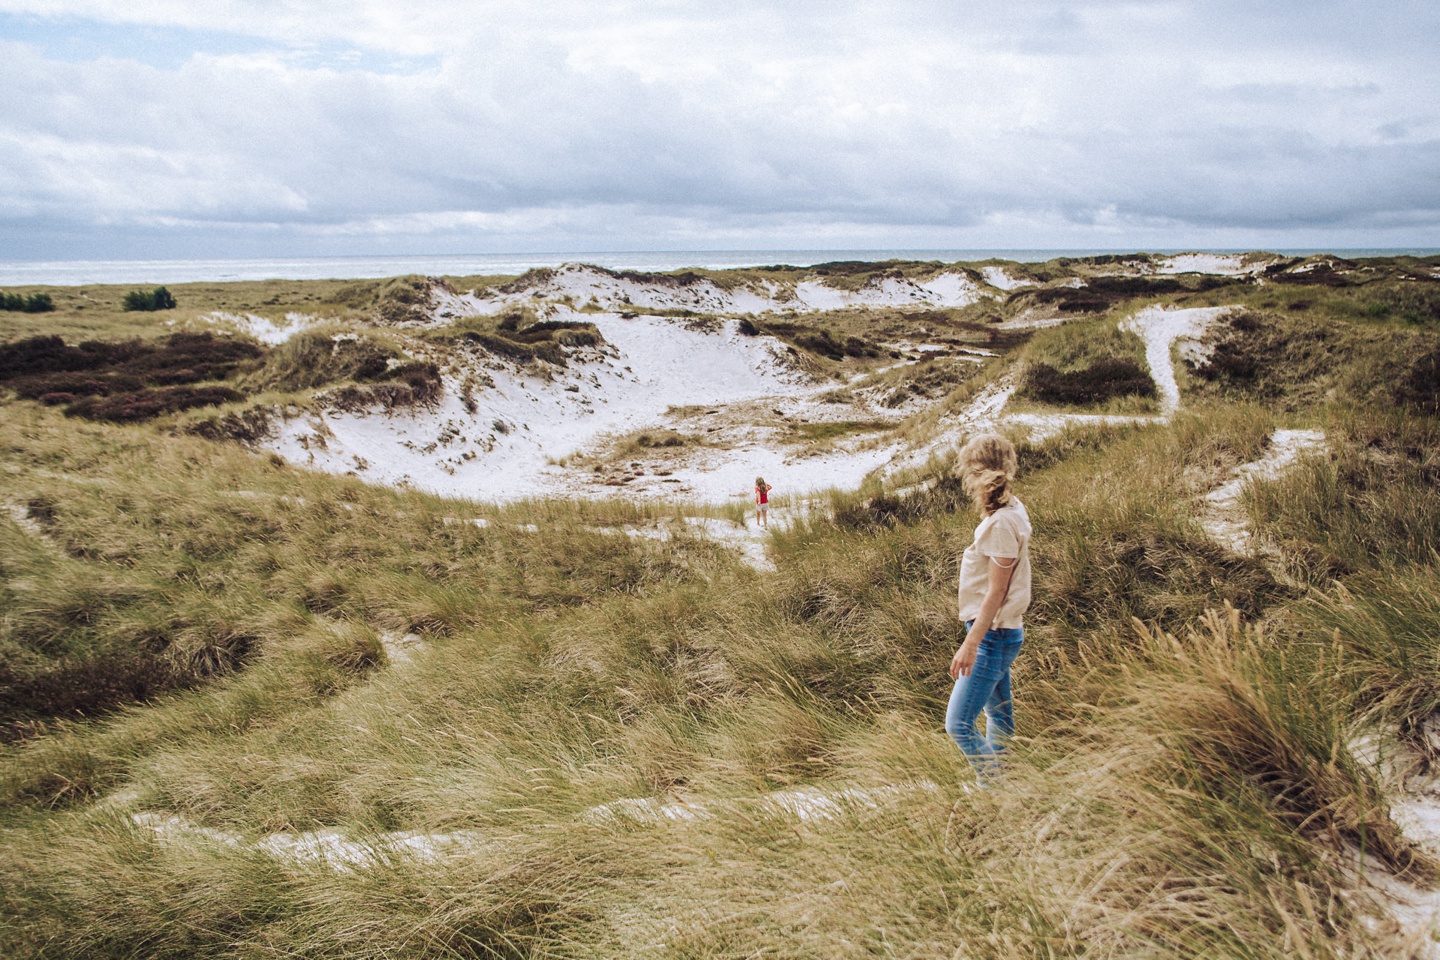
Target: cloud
<point>569,125</point>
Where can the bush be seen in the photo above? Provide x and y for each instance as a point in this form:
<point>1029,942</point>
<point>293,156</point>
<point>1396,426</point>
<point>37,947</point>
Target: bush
<point>48,370</point>
<point>77,688</point>
<point>410,384</point>
<point>1419,385</point>
<point>538,341</point>
<point>818,340</point>
<point>147,404</point>
<point>1103,381</point>
<point>157,299</point>
<point>405,299</point>
<point>50,353</point>
<point>1102,293</point>
<point>35,303</point>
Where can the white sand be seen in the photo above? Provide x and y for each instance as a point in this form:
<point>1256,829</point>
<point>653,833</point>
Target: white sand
<point>1220,264</point>
<point>577,285</point>
<point>1000,280</point>
<point>265,330</point>
<point>1222,516</point>
<point>525,422</point>
<point>1161,328</point>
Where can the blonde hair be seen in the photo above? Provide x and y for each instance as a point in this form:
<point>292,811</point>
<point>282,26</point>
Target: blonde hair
<point>987,467</point>
<point>760,482</point>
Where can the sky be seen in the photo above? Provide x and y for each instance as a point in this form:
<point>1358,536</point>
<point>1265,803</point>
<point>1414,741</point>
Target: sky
<point>140,129</point>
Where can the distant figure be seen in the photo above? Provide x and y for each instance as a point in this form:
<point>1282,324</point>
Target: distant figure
<point>762,502</point>
<point>994,594</point>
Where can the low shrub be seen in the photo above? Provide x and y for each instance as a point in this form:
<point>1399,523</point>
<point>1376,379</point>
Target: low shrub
<point>1101,293</point>
<point>76,688</point>
<point>404,300</point>
<point>35,303</point>
<point>151,300</point>
<point>127,381</point>
<point>1105,380</point>
<point>416,383</point>
<point>49,354</point>
<point>244,426</point>
<point>149,403</point>
<point>1321,275</point>
<point>543,341</point>
<point>816,340</point>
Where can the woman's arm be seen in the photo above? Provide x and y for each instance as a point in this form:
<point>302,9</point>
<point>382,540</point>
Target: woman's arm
<point>964,660</point>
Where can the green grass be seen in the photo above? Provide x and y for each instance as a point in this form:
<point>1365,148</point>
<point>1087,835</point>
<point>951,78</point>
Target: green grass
<point>1182,786</point>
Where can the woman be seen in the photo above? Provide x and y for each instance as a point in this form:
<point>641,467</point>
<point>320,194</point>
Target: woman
<point>762,503</point>
<point>994,593</point>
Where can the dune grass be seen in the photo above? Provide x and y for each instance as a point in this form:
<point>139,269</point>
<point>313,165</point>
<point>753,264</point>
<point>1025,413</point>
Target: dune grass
<point>1144,754</point>
<point>1182,785</point>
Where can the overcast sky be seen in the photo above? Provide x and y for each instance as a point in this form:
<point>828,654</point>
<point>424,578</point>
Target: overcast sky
<point>165,128</point>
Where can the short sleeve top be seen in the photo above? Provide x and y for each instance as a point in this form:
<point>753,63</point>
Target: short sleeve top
<point>1004,536</point>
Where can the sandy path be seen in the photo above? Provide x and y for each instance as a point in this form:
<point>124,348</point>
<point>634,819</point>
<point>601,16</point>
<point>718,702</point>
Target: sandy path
<point>1160,328</point>
<point>1221,514</point>
<point>338,851</point>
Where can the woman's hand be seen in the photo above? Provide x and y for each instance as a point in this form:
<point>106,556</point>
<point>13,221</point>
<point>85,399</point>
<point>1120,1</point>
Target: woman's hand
<point>964,660</point>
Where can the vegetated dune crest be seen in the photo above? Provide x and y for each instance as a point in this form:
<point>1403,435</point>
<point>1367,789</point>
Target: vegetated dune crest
<point>955,285</point>
<point>584,285</point>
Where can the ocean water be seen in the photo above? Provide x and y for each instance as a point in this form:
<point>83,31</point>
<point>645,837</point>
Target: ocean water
<point>17,273</point>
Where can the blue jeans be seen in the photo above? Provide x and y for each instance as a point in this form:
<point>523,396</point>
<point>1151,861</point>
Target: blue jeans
<point>988,689</point>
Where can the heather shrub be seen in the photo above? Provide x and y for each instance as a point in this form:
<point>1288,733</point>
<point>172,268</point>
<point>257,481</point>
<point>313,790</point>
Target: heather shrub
<point>150,402</point>
<point>1105,380</point>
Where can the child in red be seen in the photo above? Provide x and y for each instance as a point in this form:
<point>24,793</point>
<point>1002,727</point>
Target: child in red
<point>762,502</point>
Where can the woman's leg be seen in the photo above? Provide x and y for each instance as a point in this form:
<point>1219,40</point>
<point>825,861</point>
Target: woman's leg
<point>967,699</point>
<point>999,708</point>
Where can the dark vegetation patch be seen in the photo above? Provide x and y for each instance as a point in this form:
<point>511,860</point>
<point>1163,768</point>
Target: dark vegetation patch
<point>518,337</point>
<point>416,383</point>
<point>126,381</point>
<point>148,301</point>
<point>18,303</point>
<point>248,426</point>
<point>133,381</point>
<point>1137,260</point>
<point>1102,293</point>
<point>1104,380</point>
<point>1298,360</point>
<point>815,339</point>
<point>681,278</point>
<point>76,688</point>
<point>1322,274</point>
<point>144,404</point>
<point>848,268</point>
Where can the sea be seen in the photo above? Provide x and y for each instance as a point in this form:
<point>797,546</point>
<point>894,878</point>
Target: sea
<point>76,273</point>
